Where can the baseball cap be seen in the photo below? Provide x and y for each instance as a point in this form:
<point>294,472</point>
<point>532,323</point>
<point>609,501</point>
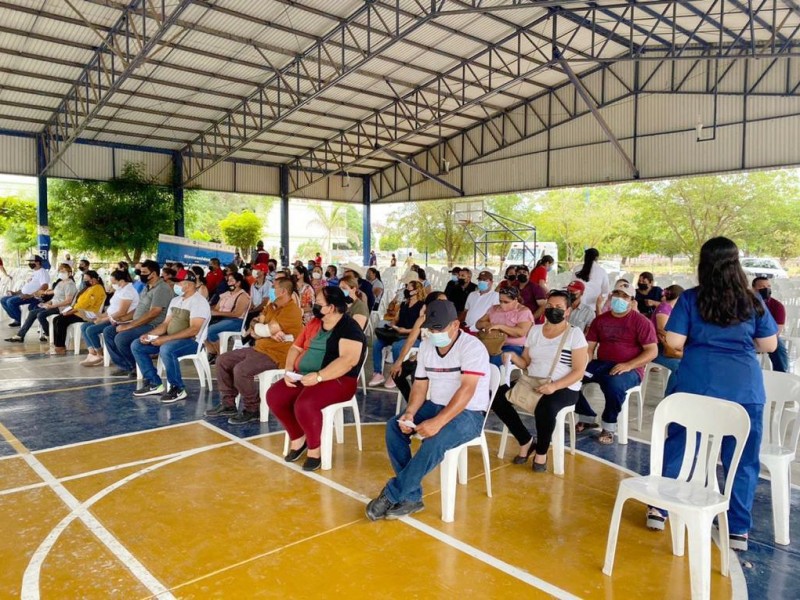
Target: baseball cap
<point>576,286</point>
<point>409,277</point>
<point>261,267</point>
<point>625,288</point>
<point>36,258</point>
<point>439,314</point>
<point>188,276</point>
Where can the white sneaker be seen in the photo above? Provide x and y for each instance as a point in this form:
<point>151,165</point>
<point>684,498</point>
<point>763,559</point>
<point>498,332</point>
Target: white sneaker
<point>390,384</point>
<point>376,380</point>
<point>92,360</point>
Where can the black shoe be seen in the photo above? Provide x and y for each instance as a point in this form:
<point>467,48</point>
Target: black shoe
<point>376,509</point>
<point>403,509</point>
<point>521,460</point>
<point>295,454</point>
<point>244,417</point>
<point>124,373</point>
<point>14,324</point>
<point>212,359</point>
<point>312,464</point>
<point>44,339</point>
<point>149,390</point>
<point>539,468</point>
<point>15,339</point>
<point>173,395</point>
<point>221,411</point>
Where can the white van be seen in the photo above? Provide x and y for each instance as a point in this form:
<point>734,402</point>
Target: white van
<point>521,255</point>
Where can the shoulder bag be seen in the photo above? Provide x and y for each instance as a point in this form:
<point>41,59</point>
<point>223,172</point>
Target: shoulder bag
<point>524,395</point>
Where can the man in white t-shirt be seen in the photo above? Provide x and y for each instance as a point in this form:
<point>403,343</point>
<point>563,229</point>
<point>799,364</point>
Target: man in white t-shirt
<point>187,316</point>
<point>480,301</point>
<point>453,369</point>
<point>29,293</point>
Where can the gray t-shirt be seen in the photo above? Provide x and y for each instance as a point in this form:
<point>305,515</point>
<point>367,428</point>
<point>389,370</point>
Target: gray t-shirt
<point>159,295</point>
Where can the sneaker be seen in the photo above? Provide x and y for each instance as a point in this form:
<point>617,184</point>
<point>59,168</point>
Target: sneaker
<point>221,411</point>
<point>390,384</point>
<point>124,373</point>
<point>92,360</point>
<point>655,520</point>
<point>244,417</point>
<point>738,542</point>
<point>404,509</point>
<point>173,394</point>
<point>377,379</point>
<point>149,390</point>
<point>15,339</point>
<point>377,508</point>
<point>14,324</point>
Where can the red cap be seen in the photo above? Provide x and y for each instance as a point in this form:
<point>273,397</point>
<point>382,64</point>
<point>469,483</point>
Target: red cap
<point>261,267</point>
<point>576,286</point>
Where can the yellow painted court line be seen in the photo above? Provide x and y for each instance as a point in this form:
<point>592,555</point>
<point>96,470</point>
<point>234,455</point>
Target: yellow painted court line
<point>12,440</point>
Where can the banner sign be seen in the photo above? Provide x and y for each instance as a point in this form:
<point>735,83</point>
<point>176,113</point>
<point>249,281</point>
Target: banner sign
<point>191,252</point>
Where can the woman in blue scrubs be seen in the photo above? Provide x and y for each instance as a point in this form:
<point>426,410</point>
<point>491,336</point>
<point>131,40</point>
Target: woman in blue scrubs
<point>721,324</point>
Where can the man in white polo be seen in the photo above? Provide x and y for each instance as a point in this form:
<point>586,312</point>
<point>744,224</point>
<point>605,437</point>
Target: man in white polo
<point>454,366</point>
<point>480,301</point>
<point>29,293</point>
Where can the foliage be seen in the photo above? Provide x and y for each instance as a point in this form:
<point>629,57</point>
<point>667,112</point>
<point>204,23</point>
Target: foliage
<point>431,226</point>
<point>205,210</point>
<point>338,220</point>
<point>120,217</point>
<point>18,223</point>
<point>242,230</point>
<point>309,249</point>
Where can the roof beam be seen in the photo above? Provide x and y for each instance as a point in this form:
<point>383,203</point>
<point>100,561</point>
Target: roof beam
<point>129,42</point>
<point>425,173</point>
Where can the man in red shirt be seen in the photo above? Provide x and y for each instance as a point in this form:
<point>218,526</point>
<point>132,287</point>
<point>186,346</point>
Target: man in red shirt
<point>318,260</point>
<point>627,342</point>
<point>260,256</point>
<point>779,358</point>
<point>214,276</point>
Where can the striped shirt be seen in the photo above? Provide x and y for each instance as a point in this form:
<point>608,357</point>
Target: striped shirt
<point>542,351</point>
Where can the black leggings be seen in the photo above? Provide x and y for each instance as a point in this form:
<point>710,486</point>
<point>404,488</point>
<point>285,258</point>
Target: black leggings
<point>402,380</point>
<point>545,415</point>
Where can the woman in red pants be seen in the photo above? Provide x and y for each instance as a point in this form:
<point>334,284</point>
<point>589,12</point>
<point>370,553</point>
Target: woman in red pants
<point>328,355</point>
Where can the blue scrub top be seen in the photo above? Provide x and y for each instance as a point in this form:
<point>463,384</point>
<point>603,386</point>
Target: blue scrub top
<point>719,361</point>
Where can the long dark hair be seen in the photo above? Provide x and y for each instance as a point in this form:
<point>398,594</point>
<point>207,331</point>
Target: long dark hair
<point>590,255</point>
<point>547,259</point>
<point>723,295</point>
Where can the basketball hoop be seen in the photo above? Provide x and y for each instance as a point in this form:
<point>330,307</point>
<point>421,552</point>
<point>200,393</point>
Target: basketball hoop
<point>469,212</point>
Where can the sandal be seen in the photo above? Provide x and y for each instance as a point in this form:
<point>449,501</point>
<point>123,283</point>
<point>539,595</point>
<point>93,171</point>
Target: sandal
<point>606,437</point>
<point>580,427</point>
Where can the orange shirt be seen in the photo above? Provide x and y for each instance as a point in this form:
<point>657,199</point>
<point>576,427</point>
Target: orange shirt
<point>290,319</point>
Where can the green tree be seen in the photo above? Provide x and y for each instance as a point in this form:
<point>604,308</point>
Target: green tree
<point>242,230</point>
<point>309,249</point>
<point>120,217</point>
<point>431,226</point>
<point>330,217</point>
<point>205,210</point>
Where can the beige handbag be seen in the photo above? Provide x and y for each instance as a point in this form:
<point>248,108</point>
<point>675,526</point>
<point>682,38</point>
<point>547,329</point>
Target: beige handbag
<point>524,395</point>
<point>493,340</point>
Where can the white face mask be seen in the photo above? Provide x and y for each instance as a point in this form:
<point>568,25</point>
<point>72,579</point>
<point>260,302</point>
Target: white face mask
<point>115,287</point>
<point>63,275</point>
<point>316,275</point>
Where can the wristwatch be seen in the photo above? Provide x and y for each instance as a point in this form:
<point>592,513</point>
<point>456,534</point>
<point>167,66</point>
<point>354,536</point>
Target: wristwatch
<point>319,377</point>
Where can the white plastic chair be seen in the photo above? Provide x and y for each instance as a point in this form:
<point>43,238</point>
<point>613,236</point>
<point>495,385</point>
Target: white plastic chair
<point>692,499</point>
<point>226,336</point>
<point>640,392</point>
<point>777,450</point>
<point>455,460</point>
<point>265,380</point>
<point>199,360</point>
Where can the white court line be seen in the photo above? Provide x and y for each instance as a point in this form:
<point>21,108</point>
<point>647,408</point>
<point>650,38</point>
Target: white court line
<point>472,551</point>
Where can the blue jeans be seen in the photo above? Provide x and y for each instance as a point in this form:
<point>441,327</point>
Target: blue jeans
<point>614,388</point>
<point>377,353</point>
<point>780,358</point>
<point>40,314</point>
<point>169,353</point>
<point>406,485</point>
<point>224,325</point>
<point>497,360</point>
<point>11,304</point>
<point>672,364</point>
<point>91,333</point>
<point>740,516</point>
<point>118,345</point>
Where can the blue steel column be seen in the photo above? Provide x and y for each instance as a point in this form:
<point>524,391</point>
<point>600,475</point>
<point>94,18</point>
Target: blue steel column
<point>43,231</point>
<point>284,188</point>
<point>177,194</point>
<point>366,199</point>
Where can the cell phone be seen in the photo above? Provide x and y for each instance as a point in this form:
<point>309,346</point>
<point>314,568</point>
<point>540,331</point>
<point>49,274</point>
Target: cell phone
<point>151,338</point>
<point>294,376</point>
<point>409,424</point>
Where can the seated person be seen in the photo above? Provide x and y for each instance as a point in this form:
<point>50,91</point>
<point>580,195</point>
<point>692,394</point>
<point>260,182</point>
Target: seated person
<point>331,275</point>
<point>479,302</point>
<point>509,280</point>
<point>374,279</point>
<point>458,291</point>
<point>364,285</point>
<point>37,282</point>
<point>214,277</point>
<point>581,315</point>
<point>648,296</point>
<point>177,336</point>
<point>667,356</point>
<point>168,274</point>
<point>202,288</point>
<point>123,303</point>
<point>453,370</point>
<point>317,280</point>
<point>236,370</point>
<point>151,312</point>
<point>423,279</point>
<point>88,304</point>
<point>627,342</point>
<point>539,360</point>
<point>508,317</point>
<point>330,368</point>
<point>302,282</point>
<point>356,300</point>
<point>228,313</point>
<point>137,280</point>
<point>63,293</point>
<point>402,369</point>
<point>397,330</point>
<point>532,296</point>
<point>541,269</point>
<point>259,291</point>
<point>780,356</point>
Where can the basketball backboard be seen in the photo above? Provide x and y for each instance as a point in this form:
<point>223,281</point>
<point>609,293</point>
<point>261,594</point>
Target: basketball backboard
<point>469,211</point>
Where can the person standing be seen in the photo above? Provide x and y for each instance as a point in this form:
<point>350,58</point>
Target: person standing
<point>373,260</point>
<point>595,279</point>
<point>393,262</point>
<point>720,325</point>
<point>779,358</point>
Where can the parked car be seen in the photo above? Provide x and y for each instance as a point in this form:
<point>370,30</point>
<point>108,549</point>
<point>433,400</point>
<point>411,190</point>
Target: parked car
<point>764,267</point>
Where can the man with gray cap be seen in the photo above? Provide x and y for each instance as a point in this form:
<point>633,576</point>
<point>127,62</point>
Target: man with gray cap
<point>627,343</point>
<point>453,370</point>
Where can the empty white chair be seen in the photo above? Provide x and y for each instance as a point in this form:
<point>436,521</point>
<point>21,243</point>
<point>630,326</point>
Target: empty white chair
<point>693,499</point>
<point>455,460</point>
<point>777,448</point>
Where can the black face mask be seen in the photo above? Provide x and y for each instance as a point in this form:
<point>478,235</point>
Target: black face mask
<point>82,269</point>
<point>522,278</point>
<point>32,265</point>
<point>144,277</point>
<point>137,272</point>
<point>511,277</point>
<point>462,281</point>
<point>554,315</point>
<point>642,286</point>
<point>316,310</point>
<point>407,294</point>
<point>765,293</point>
